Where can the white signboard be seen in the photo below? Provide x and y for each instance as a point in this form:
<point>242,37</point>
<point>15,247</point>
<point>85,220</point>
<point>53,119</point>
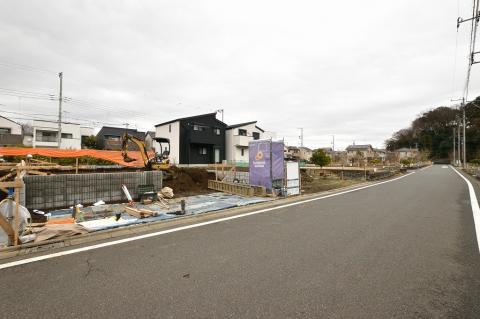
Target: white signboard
<point>293,178</point>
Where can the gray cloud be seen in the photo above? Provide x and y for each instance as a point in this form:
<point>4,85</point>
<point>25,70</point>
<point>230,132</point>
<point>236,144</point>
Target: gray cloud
<point>359,70</point>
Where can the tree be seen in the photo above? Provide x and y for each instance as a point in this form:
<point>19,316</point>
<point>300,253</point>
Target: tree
<point>320,158</point>
<point>432,132</point>
<point>89,142</point>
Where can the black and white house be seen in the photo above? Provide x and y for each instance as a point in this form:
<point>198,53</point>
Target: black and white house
<point>194,140</point>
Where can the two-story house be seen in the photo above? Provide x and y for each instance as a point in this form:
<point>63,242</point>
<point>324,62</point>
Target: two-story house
<point>305,153</point>
<point>407,153</point>
<point>196,139</point>
<point>357,153</point>
<point>10,132</point>
<point>380,154</point>
<point>292,153</point>
<point>45,134</point>
<point>110,138</point>
<point>237,138</point>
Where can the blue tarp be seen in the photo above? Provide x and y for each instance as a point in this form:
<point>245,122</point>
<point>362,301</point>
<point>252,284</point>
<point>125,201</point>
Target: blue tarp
<point>194,205</point>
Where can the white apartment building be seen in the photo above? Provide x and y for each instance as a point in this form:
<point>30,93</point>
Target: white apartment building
<point>45,134</point>
<point>8,126</point>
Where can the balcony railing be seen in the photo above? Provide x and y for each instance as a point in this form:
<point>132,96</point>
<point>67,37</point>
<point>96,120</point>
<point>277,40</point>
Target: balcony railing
<point>241,140</point>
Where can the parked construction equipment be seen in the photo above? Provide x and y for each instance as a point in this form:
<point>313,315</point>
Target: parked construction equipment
<point>161,159</point>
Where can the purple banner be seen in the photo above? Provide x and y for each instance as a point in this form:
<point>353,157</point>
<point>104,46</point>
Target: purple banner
<point>265,162</point>
<point>278,168</point>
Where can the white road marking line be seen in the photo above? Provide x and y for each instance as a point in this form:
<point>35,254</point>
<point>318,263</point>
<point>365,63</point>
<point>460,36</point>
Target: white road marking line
<point>474,204</point>
<point>162,232</point>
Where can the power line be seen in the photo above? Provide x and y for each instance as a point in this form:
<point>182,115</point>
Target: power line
<point>27,94</point>
<point>24,67</point>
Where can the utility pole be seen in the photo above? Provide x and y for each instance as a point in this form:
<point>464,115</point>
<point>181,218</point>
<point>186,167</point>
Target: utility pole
<point>60,98</point>
<point>454,162</point>
<point>301,136</point>
<point>459,144</point>
<point>471,61</point>
<point>333,143</point>
<point>464,137</point>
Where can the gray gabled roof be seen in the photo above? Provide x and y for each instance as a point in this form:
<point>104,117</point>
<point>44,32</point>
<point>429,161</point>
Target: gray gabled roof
<point>118,131</point>
<point>190,117</point>
<point>240,125</point>
<point>405,149</point>
<point>10,120</point>
<point>359,147</point>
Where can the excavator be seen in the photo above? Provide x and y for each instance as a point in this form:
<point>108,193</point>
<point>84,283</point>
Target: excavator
<point>161,159</point>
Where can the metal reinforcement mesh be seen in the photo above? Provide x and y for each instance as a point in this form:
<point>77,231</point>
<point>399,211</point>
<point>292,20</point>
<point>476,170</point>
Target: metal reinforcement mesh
<point>61,191</point>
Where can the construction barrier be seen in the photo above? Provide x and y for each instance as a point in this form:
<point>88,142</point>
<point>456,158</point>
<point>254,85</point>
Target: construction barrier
<point>59,191</point>
<point>232,188</point>
<point>112,156</point>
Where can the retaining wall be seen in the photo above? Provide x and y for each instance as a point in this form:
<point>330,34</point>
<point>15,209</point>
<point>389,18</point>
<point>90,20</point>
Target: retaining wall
<point>61,191</point>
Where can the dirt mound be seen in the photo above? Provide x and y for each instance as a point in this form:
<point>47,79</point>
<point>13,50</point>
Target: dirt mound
<point>188,181</point>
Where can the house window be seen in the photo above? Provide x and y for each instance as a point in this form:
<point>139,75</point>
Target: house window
<point>256,135</point>
<point>242,132</point>
<point>46,136</point>
<point>67,135</point>
<point>5,130</point>
<point>202,151</point>
<point>243,151</point>
<point>216,131</point>
<point>197,127</point>
<point>110,137</point>
<point>169,128</point>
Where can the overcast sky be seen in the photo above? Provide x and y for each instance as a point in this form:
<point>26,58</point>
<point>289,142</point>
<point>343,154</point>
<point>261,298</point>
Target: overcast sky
<point>357,69</point>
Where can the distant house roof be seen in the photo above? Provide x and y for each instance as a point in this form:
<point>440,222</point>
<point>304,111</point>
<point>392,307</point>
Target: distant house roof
<point>405,149</point>
<point>305,148</point>
<point>118,131</point>
<point>240,125</point>
<point>359,147</point>
<point>379,150</point>
<point>258,128</point>
<point>47,121</point>
<point>188,118</point>
<point>151,133</point>
<point>10,120</point>
<point>325,149</point>
<point>292,148</point>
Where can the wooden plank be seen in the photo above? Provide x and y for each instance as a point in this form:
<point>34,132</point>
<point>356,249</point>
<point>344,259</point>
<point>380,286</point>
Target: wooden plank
<point>13,184</point>
<point>17,211</point>
<point>132,211</point>
<point>7,176</point>
<point>38,173</point>
<point>148,212</point>
<point>232,188</point>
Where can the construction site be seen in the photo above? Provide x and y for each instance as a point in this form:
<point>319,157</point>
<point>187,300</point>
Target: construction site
<point>48,195</point>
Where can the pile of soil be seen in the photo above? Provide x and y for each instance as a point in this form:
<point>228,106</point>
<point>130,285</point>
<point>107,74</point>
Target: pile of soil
<point>188,181</point>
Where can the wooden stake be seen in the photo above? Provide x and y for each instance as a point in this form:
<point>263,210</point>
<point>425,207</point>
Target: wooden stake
<point>17,209</point>
<point>76,165</point>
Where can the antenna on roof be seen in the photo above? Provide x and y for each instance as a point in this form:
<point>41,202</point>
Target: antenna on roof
<point>220,111</point>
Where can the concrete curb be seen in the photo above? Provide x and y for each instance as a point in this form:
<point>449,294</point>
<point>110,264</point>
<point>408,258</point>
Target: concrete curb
<point>117,233</point>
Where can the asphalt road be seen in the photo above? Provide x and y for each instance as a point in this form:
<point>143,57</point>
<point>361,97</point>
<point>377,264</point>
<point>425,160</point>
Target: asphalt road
<point>403,249</point>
